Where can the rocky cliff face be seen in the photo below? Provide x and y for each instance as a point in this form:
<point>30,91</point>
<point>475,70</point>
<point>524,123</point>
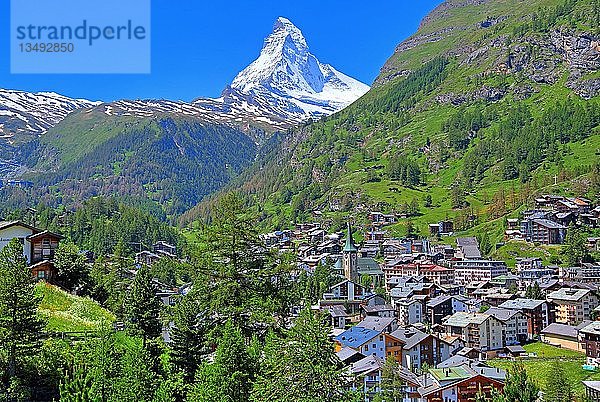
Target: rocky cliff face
<point>494,46</point>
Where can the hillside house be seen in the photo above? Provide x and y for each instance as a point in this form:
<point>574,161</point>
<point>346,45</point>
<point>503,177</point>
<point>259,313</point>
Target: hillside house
<point>562,335</point>
<point>421,348</point>
<point>460,383</point>
<point>39,246</point>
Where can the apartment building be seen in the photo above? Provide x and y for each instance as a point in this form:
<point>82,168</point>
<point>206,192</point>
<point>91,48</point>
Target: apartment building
<point>477,330</point>
<point>469,271</point>
<point>572,306</point>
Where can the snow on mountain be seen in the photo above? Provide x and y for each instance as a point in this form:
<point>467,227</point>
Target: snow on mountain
<point>284,86</point>
<point>291,78</point>
<point>34,113</point>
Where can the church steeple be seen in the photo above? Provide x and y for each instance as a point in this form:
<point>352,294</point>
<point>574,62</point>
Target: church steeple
<point>350,257</point>
<point>349,241</point>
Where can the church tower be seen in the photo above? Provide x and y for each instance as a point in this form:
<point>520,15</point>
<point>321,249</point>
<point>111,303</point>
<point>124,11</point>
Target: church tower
<point>350,257</point>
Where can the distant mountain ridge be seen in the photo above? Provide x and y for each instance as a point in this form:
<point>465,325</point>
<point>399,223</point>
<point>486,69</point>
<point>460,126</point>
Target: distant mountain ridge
<point>34,113</point>
<point>284,86</point>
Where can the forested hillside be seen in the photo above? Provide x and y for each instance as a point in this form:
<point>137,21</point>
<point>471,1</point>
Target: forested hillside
<point>487,104</point>
<point>172,161</point>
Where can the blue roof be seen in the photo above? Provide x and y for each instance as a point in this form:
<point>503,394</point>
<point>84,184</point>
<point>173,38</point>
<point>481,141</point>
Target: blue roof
<point>356,336</point>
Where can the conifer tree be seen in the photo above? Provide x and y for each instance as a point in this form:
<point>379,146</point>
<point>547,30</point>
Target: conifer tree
<point>20,326</point>
<point>392,385</point>
<point>247,283</point>
<point>142,306</point>
<point>136,381</point>
<point>230,376</point>
<point>188,336</point>
<point>301,366</point>
<point>519,387</point>
<point>70,264</point>
<point>76,386</point>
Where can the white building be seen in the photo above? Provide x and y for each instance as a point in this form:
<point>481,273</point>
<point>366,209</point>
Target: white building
<point>573,305</point>
<point>19,230</point>
<point>469,271</point>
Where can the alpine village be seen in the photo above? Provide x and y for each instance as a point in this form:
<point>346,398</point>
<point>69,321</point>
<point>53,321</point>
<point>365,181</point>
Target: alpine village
<point>432,238</point>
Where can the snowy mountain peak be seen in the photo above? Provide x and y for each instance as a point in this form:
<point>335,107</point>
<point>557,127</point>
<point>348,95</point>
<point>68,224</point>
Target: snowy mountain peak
<point>285,28</point>
<point>293,78</point>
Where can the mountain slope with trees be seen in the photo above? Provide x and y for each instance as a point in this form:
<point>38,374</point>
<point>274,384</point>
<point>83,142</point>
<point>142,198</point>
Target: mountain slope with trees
<point>172,161</point>
<point>487,104</point>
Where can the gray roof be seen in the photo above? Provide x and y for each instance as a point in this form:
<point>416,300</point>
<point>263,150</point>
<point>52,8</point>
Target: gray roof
<point>411,336</point>
<point>368,264</point>
<point>443,298</point>
<point>521,304</point>
<point>366,365</point>
<point>346,353</point>
<point>516,349</point>
<point>376,323</point>
<point>438,300</point>
<point>377,308</point>
<point>595,385</point>
<point>501,314</point>
<point>337,311</point>
<point>462,319</point>
<point>561,330</point>
<point>467,241</point>
<point>471,252</point>
<point>549,224</point>
<point>490,372</point>
<point>568,294</point>
<point>583,324</point>
<point>455,361</point>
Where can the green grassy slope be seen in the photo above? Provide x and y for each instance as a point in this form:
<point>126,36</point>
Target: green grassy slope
<point>68,313</point>
<point>540,367</point>
<point>342,163</point>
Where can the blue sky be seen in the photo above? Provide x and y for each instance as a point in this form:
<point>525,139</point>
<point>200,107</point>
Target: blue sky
<point>199,46</point>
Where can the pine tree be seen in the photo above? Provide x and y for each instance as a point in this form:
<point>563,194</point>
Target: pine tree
<point>136,381</point>
<point>575,250</point>
<point>235,366</point>
<point>519,387</point>
<point>207,384</point>
<point>534,292</point>
<point>301,366</point>
<point>392,384</point>
<point>244,282</point>
<point>229,377</point>
<point>20,325</point>
<point>188,336</point>
<point>76,386</point>
<point>142,306</point>
<point>428,201</point>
